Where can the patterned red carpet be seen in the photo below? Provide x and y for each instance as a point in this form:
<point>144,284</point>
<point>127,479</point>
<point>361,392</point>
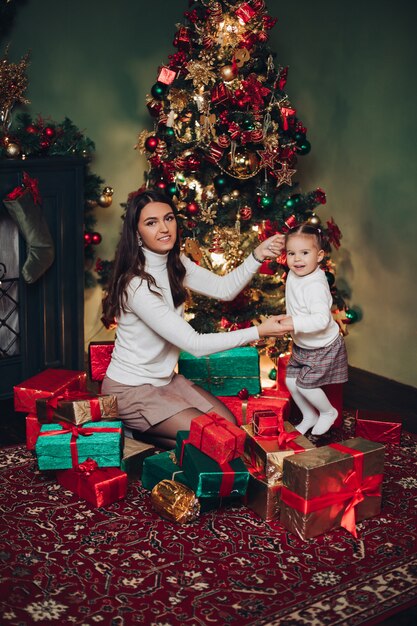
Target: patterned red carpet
<point>64,562</point>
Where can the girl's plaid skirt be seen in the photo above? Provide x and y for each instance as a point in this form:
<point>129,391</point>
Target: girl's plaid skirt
<point>319,366</point>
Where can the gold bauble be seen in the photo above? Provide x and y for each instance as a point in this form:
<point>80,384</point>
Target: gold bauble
<point>235,193</point>
<point>227,73</point>
<point>314,220</point>
<point>12,150</point>
<point>108,191</point>
<point>105,200</point>
<point>208,193</point>
<point>225,198</point>
<point>245,163</point>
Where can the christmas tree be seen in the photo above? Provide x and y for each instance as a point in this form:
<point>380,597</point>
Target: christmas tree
<point>225,145</point>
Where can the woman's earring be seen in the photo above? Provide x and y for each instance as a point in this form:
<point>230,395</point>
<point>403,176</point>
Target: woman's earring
<point>139,240</point>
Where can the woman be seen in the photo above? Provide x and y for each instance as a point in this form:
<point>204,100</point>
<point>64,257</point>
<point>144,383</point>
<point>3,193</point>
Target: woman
<point>146,298</point>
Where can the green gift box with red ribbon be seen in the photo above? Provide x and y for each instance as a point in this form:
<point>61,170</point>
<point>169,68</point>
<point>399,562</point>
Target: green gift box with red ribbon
<point>206,477</point>
<point>332,486</point>
<point>224,373</point>
<point>77,407</point>
<point>65,446</point>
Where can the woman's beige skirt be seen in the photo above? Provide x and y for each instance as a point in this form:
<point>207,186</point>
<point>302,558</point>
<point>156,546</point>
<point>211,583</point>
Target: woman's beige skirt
<point>143,406</point>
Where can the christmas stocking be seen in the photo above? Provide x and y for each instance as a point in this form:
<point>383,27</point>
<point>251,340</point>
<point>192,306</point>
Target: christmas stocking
<point>24,206</point>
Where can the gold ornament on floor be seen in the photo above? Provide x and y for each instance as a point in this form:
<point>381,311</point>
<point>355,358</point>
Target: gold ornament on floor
<point>243,164</point>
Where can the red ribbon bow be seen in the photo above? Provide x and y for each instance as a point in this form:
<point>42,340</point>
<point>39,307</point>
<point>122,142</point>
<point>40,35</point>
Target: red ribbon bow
<point>87,467</point>
<point>29,184</point>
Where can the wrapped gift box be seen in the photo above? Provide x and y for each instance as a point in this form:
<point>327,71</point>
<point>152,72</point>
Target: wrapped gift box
<point>217,437</point>
<point>208,478</point>
<point>77,407</point>
<point>99,356</point>
<point>243,409</point>
<point>332,486</point>
<point>378,426</point>
<point>162,466</point>
<point>267,423</point>
<point>99,486</point>
<point>64,446</point>
<point>46,384</point>
<point>262,496</point>
<point>134,455</point>
<point>224,373</point>
<point>267,454</point>
<point>175,502</point>
<point>33,428</point>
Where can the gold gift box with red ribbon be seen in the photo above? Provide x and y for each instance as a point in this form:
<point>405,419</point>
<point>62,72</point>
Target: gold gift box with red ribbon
<point>332,486</point>
<point>77,408</point>
<point>267,454</point>
<point>262,497</point>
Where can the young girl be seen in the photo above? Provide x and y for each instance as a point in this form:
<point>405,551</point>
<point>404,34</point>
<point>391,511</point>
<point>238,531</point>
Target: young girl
<point>146,297</point>
<point>318,354</point>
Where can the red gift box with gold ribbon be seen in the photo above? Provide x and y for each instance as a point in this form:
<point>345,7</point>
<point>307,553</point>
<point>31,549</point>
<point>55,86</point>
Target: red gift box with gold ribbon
<point>77,407</point>
<point>267,454</point>
<point>46,384</point>
<point>378,426</point>
<point>99,486</point>
<point>332,486</point>
<point>217,437</point>
<point>33,428</point>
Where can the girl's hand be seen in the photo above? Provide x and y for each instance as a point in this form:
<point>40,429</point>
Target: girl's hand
<point>272,327</point>
<point>271,248</point>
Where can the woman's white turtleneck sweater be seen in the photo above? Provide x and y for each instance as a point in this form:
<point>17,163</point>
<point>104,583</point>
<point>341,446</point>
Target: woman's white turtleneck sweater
<point>151,333</point>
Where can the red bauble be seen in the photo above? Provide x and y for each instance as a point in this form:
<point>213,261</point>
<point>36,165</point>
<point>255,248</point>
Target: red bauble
<point>151,143</point>
<point>192,208</point>
<point>245,213</point>
<point>241,103</point>
<point>44,145</point>
<point>49,132</point>
<point>95,239</point>
<point>191,224</point>
<point>161,184</point>
<point>88,238</point>
<point>31,129</point>
<point>243,394</point>
<point>193,163</point>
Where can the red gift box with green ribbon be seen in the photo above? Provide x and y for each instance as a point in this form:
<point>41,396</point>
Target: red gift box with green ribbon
<point>205,476</point>
<point>65,446</point>
<point>99,486</point>
<point>214,435</point>
<point>77,407</point>
<point>267,454</point>
<point>332,486</point>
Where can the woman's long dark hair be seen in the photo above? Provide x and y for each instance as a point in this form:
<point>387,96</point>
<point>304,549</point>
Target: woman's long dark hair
<point>130,259</point>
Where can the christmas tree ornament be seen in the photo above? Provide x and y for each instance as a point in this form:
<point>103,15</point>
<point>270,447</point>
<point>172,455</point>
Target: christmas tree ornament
<point>245,213</point>
<point>158,90</point>
<point>172,189</point>
<point>303,147</point>
<point>49,132</point>
<point>88,238</point>
<point>105,200</point>
<point>95,238</point>
<point>220,183</point>
<point>151,143</point>
<point>192,208</point>
<point>314,220</point>
<point>272,374</point>
<point>12,150</point>
<point>227,73</point>
<point>225,198</point>
<point>351,315</point>
<point>265,201</point>
<point>235,194</point>
<point>243,163</point>
<point>161,184</point>
<point>243,394</point>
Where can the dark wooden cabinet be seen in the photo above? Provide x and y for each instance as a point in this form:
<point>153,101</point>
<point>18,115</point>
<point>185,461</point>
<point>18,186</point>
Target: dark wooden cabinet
<point>42,324</point>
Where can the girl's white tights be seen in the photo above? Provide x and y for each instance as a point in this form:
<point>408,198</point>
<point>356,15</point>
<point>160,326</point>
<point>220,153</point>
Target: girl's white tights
<point>318,413</point>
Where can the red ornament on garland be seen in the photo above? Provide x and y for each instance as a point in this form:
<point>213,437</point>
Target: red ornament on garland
<point>161,184</point>
<point>243,394</point>
<point>49,132</point>
<point>95,239</point>
<point>31,129</point>
<point>151,143</point>
<point>192,208</point>
<point>88,237</point>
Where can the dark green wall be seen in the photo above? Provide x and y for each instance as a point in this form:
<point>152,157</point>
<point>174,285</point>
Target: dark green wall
<point>352,81</point>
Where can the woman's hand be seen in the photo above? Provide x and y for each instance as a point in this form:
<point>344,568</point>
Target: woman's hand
<point>270,248</point>
<point>272,327</point>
